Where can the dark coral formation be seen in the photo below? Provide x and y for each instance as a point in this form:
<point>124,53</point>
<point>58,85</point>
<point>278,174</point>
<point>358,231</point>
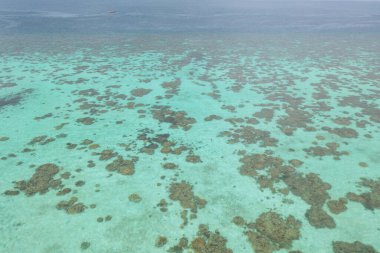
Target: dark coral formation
<point>295,118</point>
<point>268,171</point>
<point>265,113</point>
<point>331,149</point>
<point>208,242</point>
<point>183,192</point>
<point>7,85</point>
<point>238,221</point>
<point>4,138</point>
<point>271,232</point>
<point>180,246</point>
<point>106,154</point>
<point>343,121</point>
<point>140,92</point>
<point>97,102</point>
<point>41,140</point>
<point>11,192</point>
<point>213,117</point>
<point>71,206</point>
<point>205,242</point>
<point>170,166</point>
<point>163,205</point>
<point>193,159</point>
<point>265,169</point>
<point>337,206</point>
<point>171,88</point>
<point>370,200</point>
<point>64,191</point>
<point>122,166</point>
<point>310,188</point>
<point>318,218</point>
<point>249,135</point>
<point>355,247</point>
<point>134,197</point>
<point>176,119</point>
<point>161,241</point>
<point>48,115</point>
<point>14,99</point>
<point>161,142</point>
<point>85,245</point>
<point>343,132</point>
<point>41,181</point>
<point>86,120</point>
<point>314,192</point>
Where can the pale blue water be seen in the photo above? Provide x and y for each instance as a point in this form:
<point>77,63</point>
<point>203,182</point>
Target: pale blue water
<point>238,128</point>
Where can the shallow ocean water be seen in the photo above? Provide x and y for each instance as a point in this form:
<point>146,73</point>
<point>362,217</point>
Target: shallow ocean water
<point>190,142</point>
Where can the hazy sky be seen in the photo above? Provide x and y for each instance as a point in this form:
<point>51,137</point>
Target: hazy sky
<point>79,4</point>
<point>171,15</point>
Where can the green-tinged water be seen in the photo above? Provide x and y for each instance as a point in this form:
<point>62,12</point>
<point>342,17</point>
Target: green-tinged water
<point>190,143</point>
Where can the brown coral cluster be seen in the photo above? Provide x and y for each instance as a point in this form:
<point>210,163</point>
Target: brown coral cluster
<point>271,232</point>
<point>176,119</point>
<point>344,132</point>
<point>172,87</point>
<point>295,118</point>
<point>86,120</point>
<point>249,135</point>
<point>268,171</point>
<point>330,149</point>
<point>354,247</point>
<point>183,193</point>
<point>41,180</point>
<point>140,92</point>
<point>371,199</point>
<point>122,166</point>
<point>71,206</point>
<point>205,242</point>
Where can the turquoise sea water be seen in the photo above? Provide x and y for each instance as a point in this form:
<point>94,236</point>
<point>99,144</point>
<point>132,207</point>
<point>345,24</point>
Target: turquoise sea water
<point>190,142</point>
